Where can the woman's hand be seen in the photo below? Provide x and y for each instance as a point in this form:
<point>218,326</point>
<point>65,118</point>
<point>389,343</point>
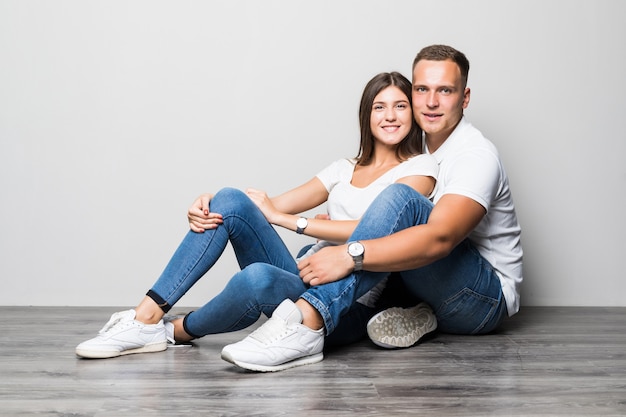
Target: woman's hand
<point>330,264</point>
<point>199,216</point>
<point>264,203</point>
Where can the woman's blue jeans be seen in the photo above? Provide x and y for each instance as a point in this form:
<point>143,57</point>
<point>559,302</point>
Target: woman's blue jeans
<point>250,292</point>
<point>462,288</point>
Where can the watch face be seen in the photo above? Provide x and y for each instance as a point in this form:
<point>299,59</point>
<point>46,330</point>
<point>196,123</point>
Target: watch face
<point>355,249</point>
<point>301,222</point>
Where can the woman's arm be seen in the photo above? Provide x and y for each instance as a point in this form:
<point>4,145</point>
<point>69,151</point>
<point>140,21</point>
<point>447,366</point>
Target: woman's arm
<point>282,211</point>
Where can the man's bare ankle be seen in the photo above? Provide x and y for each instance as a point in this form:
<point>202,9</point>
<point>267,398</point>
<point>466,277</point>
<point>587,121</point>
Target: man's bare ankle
<point>311,318</point>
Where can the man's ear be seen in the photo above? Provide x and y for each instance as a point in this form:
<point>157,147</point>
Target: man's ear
<point>466,97</point>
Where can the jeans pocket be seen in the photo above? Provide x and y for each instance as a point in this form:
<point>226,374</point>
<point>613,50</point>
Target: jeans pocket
<point>466,312</point>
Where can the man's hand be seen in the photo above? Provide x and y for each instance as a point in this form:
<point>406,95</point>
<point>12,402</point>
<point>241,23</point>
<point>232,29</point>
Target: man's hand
<point>330,264</point>
<point>199,216</point>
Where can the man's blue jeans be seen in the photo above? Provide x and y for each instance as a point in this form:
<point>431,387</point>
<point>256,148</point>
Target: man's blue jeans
<point>462,288</point>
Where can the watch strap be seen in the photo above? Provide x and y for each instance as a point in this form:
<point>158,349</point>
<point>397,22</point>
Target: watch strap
<point>301,224</point>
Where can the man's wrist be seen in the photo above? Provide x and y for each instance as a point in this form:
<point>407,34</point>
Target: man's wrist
<point>357,251</point>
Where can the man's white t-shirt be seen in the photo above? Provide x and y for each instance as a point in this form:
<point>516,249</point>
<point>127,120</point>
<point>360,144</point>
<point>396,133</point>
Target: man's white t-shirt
<point>469,165</point>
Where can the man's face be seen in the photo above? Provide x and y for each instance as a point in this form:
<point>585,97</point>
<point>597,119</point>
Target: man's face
<point>438,98</point>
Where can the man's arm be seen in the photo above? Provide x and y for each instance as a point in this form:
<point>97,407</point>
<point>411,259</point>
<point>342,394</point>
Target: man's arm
<point>451,220</point>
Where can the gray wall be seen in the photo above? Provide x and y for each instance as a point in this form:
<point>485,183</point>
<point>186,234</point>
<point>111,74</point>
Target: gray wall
<point>115,115</point>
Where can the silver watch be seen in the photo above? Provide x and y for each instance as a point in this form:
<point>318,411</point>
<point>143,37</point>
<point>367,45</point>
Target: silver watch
<point>301,224</point>
<point>356,250</point>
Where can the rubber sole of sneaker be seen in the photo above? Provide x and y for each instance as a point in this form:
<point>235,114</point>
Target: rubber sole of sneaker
<point>306,360</point>
<point>401,327</point>
<point>105,354</point>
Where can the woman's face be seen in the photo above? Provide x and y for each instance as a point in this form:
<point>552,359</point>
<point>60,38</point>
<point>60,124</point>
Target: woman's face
<point>391,117</point>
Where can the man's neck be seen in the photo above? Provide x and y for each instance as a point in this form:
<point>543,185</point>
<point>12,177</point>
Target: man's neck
<point>434,142</point>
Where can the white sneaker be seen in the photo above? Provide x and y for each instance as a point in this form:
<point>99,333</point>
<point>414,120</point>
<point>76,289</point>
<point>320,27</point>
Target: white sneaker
<point>123,335</point>
<point>401,327</point>
<point>282,342</point>
<point>169,331</point>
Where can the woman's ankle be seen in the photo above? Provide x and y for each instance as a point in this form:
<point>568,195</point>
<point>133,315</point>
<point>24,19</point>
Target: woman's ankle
<point>148,312</point>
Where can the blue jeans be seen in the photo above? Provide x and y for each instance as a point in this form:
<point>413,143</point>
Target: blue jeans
<point>462,288</point>
<point>258,289</point>
<point>255,242</point>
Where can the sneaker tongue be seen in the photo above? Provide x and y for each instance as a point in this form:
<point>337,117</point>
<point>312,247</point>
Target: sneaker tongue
<point>289,312</point>
<point>118,317</point>
<point>285,314</point>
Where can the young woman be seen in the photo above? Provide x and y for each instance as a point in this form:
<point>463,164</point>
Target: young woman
<point>389,152</point>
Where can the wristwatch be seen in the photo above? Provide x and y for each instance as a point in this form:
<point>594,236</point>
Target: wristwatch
<point>356,250</point>
<point>301,224</point>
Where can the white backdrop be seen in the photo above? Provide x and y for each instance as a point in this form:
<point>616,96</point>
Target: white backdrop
<point>115,115</point>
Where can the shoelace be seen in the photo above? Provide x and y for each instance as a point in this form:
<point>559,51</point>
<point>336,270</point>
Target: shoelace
<point>115,319</point>
<point>271,330</point>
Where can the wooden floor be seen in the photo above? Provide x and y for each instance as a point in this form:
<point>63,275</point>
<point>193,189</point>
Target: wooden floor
<point>544,362</point>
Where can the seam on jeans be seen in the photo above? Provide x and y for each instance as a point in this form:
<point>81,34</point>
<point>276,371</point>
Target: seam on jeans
<point>409,207</point>
<point>257,235</point>
<point>179,283</point>
<point>485,268</point>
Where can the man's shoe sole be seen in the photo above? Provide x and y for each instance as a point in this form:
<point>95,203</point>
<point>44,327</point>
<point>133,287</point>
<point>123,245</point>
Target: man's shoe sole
<point>401,327</point>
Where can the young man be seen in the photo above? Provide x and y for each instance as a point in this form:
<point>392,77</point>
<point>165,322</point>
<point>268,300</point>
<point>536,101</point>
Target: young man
<point>461,256</point>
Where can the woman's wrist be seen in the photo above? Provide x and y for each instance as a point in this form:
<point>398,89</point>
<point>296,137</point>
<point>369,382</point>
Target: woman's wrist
<point>288,221</point>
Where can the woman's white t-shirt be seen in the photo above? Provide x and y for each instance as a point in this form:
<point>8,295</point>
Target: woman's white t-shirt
<point>347,202</point>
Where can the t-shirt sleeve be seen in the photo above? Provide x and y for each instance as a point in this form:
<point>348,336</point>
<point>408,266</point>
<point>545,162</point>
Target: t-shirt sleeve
<point>476,175</point>
<point>422,164</point>
<point>333,173</point>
